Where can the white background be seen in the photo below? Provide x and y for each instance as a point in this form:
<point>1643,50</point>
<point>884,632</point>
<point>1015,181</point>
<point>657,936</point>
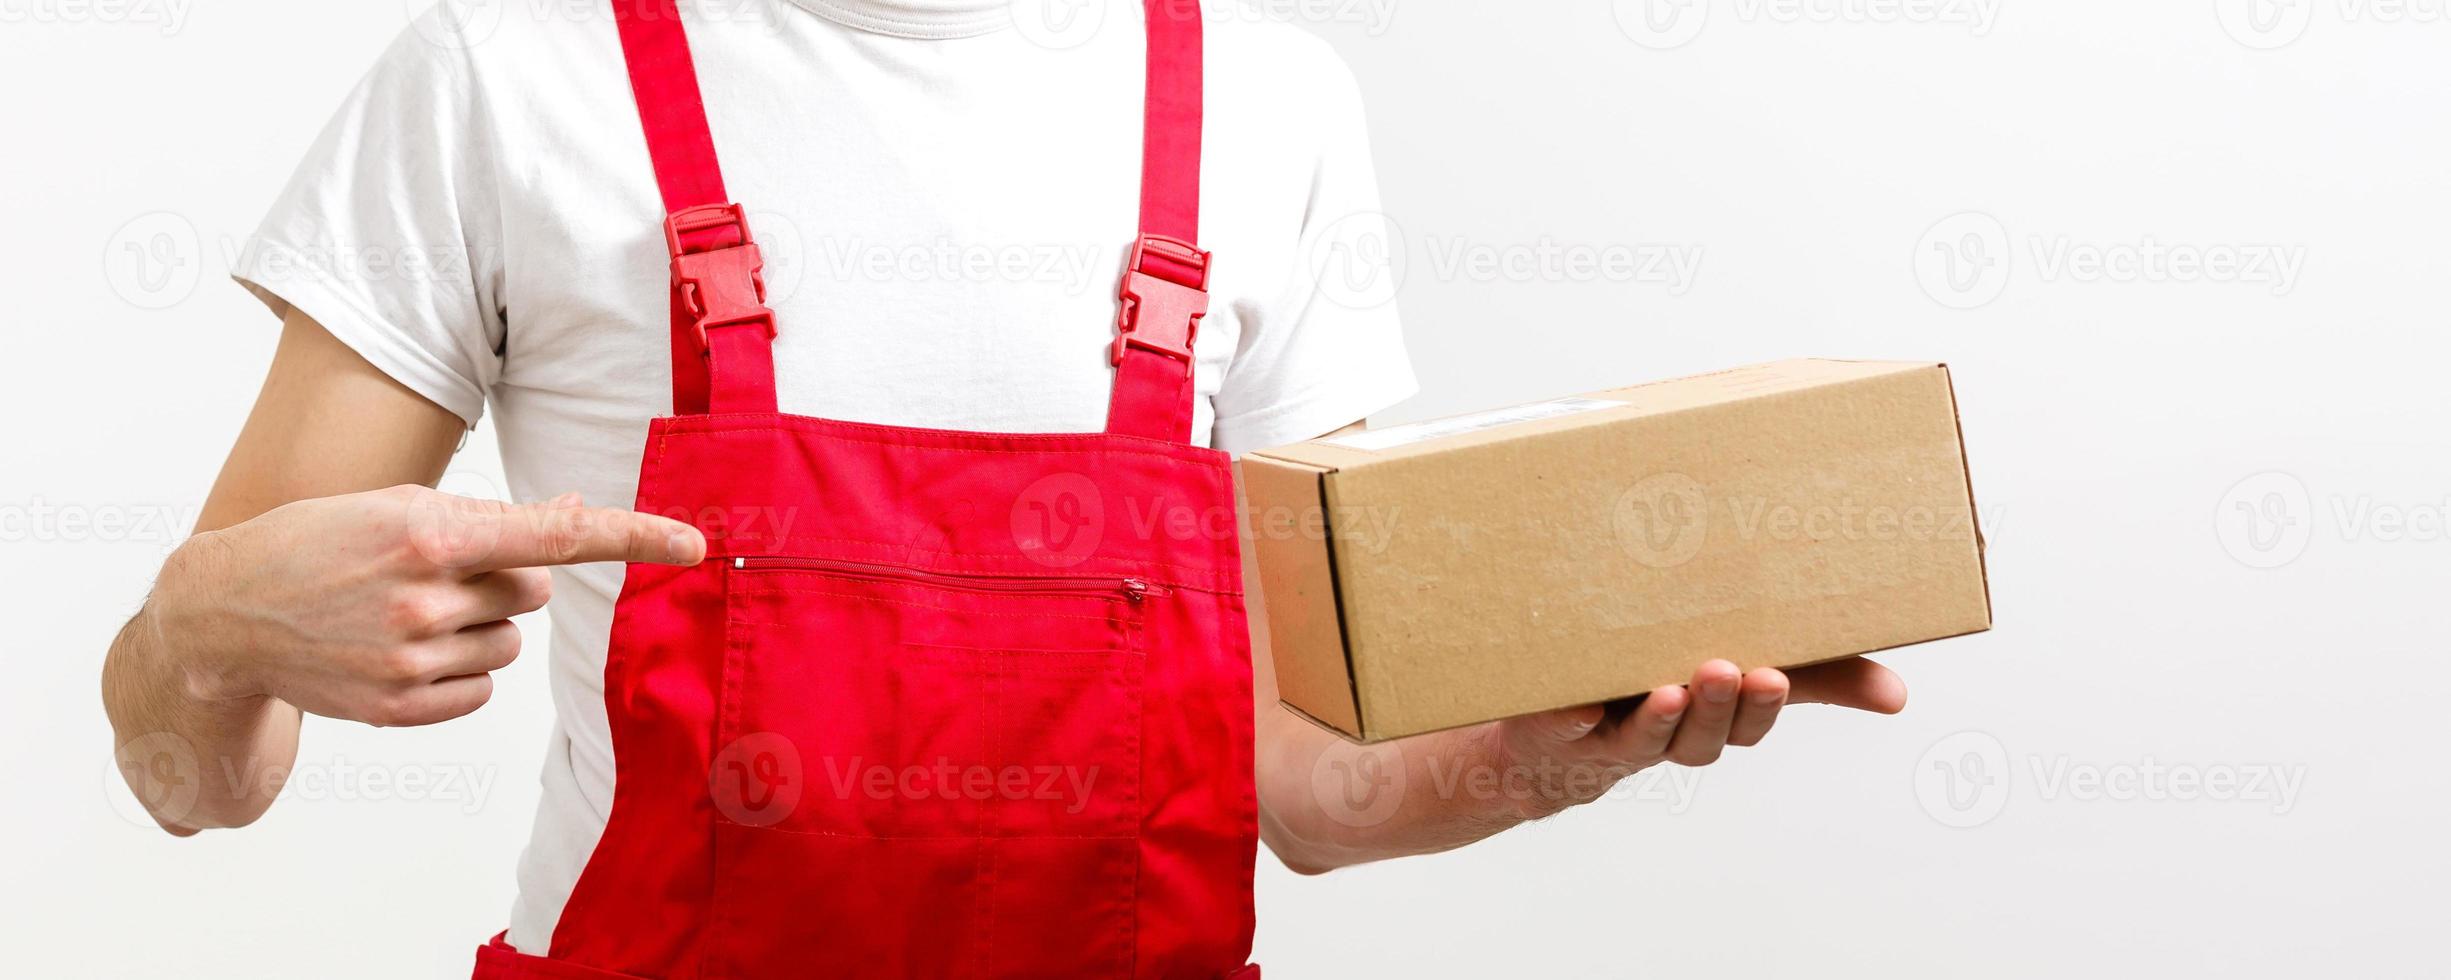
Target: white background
<point>2216,508</point>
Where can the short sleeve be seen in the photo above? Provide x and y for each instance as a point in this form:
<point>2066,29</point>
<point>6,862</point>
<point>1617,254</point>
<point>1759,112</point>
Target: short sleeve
<point>388,232</point>
<point>1328,348</point>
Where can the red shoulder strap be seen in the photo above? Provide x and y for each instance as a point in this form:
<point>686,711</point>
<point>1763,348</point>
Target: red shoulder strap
<point>1164,292</point>
<point>722,332</point>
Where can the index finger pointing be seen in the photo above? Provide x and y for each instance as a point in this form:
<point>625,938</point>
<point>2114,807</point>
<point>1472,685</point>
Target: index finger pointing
<point>563,535</point>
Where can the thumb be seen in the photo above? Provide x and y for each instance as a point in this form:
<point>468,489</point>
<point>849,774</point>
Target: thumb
<point>1851,683</point>
<point>1562,725</point>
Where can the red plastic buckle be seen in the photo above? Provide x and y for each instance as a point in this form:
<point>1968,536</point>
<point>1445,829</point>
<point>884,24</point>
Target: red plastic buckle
<point>723,286</point>
<point>1162,300</point>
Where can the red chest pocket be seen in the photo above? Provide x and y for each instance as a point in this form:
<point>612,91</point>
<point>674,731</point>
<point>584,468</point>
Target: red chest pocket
<point>926,735</point>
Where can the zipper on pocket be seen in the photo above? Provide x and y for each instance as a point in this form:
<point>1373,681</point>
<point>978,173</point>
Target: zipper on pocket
<point>1134,589</point>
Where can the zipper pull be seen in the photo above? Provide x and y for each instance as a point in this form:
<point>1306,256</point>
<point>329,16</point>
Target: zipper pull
<point>1136,590</point>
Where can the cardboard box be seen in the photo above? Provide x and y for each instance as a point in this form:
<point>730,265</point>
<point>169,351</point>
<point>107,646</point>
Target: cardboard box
<point>1427,576</point>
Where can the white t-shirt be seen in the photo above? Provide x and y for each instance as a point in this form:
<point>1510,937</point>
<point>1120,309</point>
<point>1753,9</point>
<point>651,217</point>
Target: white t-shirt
<point>943,190</point>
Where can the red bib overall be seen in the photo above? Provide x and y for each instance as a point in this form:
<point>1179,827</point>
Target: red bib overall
<point>938,704</point>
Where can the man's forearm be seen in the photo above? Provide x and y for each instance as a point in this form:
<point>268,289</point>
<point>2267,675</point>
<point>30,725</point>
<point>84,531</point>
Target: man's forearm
<point>326,423</point>
<point>1326,803</point>
<point>193,763</point>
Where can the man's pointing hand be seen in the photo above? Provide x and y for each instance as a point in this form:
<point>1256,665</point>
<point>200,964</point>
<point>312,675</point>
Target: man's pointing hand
<point>389,607</point>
